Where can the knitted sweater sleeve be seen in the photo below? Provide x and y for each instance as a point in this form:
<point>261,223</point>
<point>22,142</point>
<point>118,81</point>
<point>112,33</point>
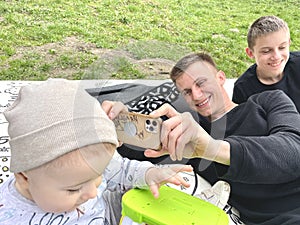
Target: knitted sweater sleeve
<point>275,156</point>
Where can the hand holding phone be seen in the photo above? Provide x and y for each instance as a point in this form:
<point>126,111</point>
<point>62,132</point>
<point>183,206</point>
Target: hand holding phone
<point>138,129</point>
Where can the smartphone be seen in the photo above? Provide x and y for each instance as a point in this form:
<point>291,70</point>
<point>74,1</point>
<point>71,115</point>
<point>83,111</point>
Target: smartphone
<point>138,130</point>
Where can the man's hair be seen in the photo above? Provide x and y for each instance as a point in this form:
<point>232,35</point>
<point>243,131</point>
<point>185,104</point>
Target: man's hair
<point>265,25</point>
<point>182,65</point>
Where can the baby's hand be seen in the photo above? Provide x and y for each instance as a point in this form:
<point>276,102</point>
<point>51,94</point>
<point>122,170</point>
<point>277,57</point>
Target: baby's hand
<point>157,176</point>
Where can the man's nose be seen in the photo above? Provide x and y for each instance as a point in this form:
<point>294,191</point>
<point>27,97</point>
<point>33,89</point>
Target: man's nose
<point>196,92</point>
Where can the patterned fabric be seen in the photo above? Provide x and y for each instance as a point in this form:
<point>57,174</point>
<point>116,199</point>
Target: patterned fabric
<point>153,99</point>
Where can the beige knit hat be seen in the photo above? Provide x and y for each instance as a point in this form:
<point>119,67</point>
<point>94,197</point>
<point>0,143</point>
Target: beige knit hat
<point>52,118</point>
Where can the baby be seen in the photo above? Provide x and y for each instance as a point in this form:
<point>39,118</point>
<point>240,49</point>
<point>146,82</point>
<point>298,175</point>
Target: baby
<point>66,169</point>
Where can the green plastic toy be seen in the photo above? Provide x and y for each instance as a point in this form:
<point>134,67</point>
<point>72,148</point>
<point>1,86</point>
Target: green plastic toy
<point>173,207</point>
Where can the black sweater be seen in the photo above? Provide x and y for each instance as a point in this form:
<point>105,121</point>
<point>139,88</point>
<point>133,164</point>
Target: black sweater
<point>248,84</point>
<point>264,171</point>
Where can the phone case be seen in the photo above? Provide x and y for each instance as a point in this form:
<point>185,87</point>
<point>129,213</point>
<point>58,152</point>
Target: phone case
<point>138,129</point>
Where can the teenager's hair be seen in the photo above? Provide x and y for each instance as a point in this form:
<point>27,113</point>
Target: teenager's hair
<point>182,65</point>
<point>265,25</point>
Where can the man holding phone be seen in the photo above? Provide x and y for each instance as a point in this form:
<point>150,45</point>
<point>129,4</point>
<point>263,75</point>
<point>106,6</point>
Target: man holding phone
<point>254,146</point>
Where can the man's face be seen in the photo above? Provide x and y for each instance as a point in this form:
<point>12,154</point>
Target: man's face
<point>271,53</point>
<point>201,86</point>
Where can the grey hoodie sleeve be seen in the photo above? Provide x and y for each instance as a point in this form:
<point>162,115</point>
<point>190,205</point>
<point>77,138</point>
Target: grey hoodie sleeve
<point>123,174</point>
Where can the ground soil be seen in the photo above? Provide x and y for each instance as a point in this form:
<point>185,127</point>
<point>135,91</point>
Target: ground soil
<point>152,68</point>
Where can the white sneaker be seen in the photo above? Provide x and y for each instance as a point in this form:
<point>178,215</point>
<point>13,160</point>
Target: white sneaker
<point>218,194</point>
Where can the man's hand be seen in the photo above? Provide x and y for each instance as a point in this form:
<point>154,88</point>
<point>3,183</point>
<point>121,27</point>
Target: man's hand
<point>183,137</point>
<point>112,109</point>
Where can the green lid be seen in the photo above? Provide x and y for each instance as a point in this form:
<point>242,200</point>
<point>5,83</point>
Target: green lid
<point>173,207</point>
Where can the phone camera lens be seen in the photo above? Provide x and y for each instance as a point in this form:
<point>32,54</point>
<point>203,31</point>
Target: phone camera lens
<point>154,123</point>
<point>148,122</point>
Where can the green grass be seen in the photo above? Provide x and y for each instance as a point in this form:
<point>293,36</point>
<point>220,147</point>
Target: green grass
<point>177,27</point>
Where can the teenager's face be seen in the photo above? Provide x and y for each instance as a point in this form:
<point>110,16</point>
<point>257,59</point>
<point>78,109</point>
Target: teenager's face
<point>63,190</point>
<point>201,86</point>
<point>271,53</point>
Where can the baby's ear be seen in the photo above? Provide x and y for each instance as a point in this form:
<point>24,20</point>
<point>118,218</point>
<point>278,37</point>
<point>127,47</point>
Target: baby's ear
<point>21,179</point>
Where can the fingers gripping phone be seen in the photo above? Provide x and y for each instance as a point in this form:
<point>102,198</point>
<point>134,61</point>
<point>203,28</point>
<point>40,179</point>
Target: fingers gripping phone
<point>138,129</point>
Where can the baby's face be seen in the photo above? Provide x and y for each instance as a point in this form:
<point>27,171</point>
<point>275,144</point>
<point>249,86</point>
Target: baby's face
<point>69,181</point>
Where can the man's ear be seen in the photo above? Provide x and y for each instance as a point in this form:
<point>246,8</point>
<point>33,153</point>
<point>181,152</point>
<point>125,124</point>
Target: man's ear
<point>249,52</point>
<point>221,77</point>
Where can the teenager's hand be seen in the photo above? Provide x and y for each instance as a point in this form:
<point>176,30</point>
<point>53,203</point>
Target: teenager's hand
<point>159,175</point>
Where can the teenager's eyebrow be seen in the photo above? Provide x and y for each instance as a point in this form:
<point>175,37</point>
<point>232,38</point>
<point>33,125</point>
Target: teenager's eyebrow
<point>268,47</point>
<point>285,42</point>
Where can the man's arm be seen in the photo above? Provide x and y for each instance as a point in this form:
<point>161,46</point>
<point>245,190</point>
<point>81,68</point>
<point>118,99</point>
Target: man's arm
<point>275,156</point>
